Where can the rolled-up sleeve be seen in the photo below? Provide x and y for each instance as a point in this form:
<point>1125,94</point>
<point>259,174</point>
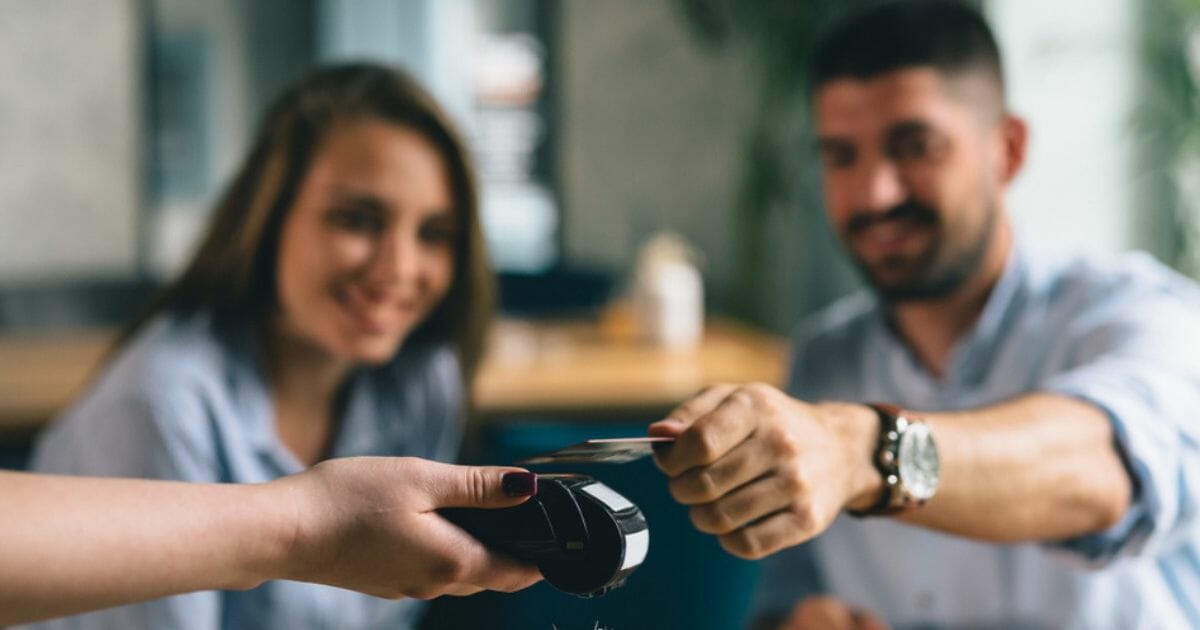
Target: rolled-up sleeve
<point>1137,358</point>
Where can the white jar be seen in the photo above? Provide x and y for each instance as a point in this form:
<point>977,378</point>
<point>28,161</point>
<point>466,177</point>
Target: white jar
<point>668,294</point>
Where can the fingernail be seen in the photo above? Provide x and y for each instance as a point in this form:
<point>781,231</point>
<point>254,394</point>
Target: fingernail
<point>519,484</point>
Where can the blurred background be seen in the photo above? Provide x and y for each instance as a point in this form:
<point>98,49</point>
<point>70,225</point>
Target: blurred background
<point>596,125</point>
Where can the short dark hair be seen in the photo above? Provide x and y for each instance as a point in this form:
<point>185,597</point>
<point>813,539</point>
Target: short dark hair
<point>947,35</point>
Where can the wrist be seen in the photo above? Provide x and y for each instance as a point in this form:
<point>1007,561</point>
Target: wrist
<point>906,458</point>
<point>858,426</point>
<point>281,551</point>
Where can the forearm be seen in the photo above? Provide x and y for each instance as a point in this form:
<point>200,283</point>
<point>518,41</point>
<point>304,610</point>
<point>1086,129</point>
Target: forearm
<point>73,544</point>
<point>1040,467</point>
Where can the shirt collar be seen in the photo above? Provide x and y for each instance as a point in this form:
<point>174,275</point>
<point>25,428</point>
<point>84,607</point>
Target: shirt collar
<point>976,349</point>
<point>252,396</point>
<point>972,353</point>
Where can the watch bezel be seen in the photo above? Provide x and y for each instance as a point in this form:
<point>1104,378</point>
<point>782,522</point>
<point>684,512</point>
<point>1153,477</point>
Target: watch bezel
<point>917,462</point>
<point>898,431</point>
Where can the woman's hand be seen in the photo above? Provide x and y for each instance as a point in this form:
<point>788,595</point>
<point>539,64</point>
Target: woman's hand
<point>371,524</point>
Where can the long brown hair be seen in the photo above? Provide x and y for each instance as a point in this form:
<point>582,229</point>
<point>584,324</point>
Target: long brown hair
<point>232,275</point>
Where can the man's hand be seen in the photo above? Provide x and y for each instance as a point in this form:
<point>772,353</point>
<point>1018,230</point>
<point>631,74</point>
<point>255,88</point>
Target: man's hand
<point>371,525</point>
<point>821,612</point>
<point>763,471</point>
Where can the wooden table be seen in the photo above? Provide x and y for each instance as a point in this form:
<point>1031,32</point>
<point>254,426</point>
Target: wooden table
<point>40,374</point>
<point>568,368</point>
<point>564,368</point>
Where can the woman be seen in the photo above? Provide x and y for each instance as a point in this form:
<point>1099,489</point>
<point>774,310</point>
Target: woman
<point>336,307</point>
<point>81,543</point>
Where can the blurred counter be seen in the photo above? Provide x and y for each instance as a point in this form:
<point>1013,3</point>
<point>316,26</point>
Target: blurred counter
<point>41,373</point>
<point>546,368</point>
<point>567,368</point>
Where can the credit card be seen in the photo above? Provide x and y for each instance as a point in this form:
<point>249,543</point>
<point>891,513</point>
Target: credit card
<point>600,451</point>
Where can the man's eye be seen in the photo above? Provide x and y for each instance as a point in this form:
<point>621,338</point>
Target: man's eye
<point>363,221</point>
<point>915,148</point>
<point>835,156</point>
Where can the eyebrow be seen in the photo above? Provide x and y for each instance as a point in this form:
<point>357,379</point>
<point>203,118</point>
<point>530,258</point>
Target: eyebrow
<point>937,140</point>
<point>343,195</point>
<point>375,204</point>
<point>830,142</point>
<point>909,128</point>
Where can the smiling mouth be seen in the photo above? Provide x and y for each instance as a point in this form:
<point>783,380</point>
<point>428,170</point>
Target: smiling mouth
<point>374,317</point>
<point>888,238</point>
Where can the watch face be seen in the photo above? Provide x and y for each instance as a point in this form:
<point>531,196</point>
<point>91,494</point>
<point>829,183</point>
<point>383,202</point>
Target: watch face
<point>918,461</point>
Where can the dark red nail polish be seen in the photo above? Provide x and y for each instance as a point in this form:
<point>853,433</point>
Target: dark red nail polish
<point>519,484</point>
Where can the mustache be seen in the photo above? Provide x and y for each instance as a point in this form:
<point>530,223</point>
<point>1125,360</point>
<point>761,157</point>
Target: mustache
<point>910,210</point>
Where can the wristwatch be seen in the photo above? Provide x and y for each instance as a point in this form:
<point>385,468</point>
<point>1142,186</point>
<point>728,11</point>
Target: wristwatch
<point>907,460</point>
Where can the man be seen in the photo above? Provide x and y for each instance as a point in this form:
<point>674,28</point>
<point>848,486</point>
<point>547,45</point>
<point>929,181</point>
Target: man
<point>1034,464</point>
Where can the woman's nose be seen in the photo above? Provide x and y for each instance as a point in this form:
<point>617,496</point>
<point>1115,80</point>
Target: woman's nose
<point>396,259</point>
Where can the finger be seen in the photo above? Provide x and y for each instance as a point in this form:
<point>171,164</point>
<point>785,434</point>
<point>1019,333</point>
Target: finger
<point>506,575</point>
<point>488,569</point>
<point>711,436</point>
<point>741,507</point>
<point>462,590</point>
<point>678,421</point>
<point>772,533</point>
<point>667,428</point>
<point>705,484</point>
<point>821,612</point>
<point>866,620</point>
<point>699,405</point>
<point>474,564</point>
<point>448,485</point>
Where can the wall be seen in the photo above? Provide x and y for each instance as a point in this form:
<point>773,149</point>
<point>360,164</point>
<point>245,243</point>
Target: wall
<point>69,139</point>
<point>1071,67</point>
<point>245,54</point>
<point>431,38</point>
<point>648,132</point>
<point>651,134</point>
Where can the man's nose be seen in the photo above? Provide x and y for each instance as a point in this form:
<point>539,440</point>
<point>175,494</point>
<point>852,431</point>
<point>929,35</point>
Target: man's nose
<point>881,187</point>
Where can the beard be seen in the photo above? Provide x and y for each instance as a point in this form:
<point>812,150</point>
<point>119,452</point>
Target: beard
<point>936,272</point>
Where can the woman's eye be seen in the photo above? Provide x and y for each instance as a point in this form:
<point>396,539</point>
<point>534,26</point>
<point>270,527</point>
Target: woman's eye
<point>363,221</point>
<point>438,234</point>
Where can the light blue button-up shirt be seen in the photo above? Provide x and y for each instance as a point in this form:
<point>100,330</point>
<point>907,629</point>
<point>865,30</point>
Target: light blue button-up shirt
<point>1124,336</point>
<point>181,402</point>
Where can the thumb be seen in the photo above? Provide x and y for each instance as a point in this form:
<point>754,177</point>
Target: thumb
<point>482,486</point>
<point>864,620</point>
<point>685,414</point>
<point>667,428</point>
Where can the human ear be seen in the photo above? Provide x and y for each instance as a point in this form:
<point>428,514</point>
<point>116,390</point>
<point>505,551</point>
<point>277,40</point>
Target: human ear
<point>1014,139</point>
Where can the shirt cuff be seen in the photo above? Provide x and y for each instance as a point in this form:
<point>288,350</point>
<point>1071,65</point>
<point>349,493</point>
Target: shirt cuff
<point>1139,445</point>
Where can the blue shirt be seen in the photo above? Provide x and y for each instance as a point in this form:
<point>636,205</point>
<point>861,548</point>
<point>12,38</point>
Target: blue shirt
<point>1124,336</point>
<point>181,402</point>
